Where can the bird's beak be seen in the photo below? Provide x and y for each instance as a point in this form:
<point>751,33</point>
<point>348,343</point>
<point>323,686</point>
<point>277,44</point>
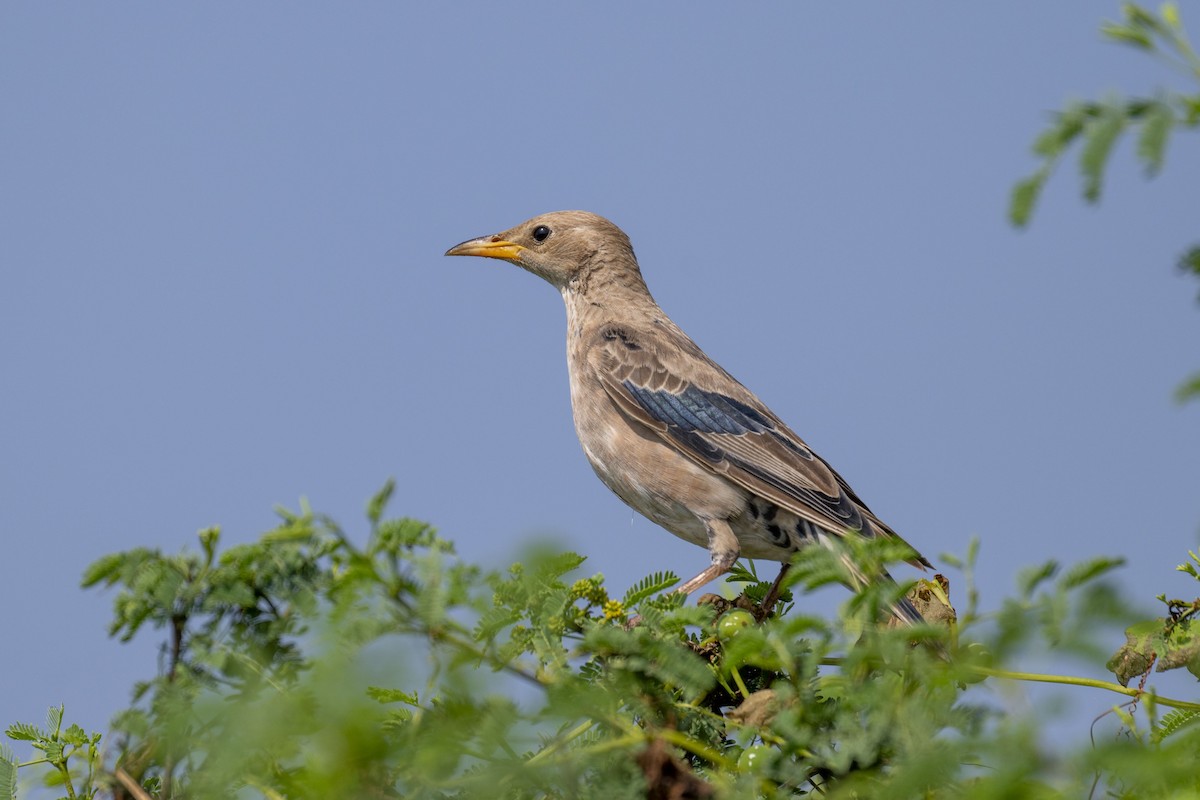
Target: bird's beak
<point>489,246</point>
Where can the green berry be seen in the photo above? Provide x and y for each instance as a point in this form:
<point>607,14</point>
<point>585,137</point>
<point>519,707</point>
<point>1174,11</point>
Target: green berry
<point>753,757</point>
<point>732,623</point>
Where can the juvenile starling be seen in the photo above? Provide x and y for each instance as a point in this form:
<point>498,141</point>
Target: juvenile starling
<point>665,427</point>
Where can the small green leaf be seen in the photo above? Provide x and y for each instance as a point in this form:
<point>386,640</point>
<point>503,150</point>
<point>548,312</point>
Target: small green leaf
<point>395,535</point>
<point>1190,261</point>
<point>24,732</point>
<point>1031,577</point>
<point>650,585</point>
<point>1099,137</point>
<point>1152,143</point>
<point>1174,721</point>
<point>53,750</point>
<point>8,774</point>
<point>951,560</point>
<point>298,531</point>
<point>1170,14</point>
<point>1127,34</point>
<point>1024,197</point>
<point>1136,15</point>
<point>1191,109</point>
<point>54,716</point>
<point>1067,126</point>
<point>1088,570</point>
<point>106,569</point>
<point>383,695</point>
<point>208,541</point>
<point>75,735</point>
<point>378,503</point>
<point>1188,390</point>
<point>973,551</point>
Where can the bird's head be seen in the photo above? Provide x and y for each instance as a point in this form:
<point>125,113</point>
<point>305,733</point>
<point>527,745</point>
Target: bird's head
<point>563,247</point>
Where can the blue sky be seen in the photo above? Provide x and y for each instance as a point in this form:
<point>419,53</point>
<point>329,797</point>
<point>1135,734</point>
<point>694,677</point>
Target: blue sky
<point>222,285</point>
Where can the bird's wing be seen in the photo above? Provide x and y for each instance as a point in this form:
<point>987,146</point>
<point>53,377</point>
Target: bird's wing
<point>666,383</point>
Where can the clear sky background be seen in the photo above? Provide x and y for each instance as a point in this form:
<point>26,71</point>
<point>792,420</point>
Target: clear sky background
<point>222,285</point>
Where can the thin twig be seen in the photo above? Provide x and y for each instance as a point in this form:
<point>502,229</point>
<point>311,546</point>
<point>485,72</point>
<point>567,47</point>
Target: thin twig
<point>131,785</point>
<point>1070,680</point>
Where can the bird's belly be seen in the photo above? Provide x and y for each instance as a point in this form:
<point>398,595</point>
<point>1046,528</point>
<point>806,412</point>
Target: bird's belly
<point>678,494</point>
<point>672,516</point>
<point>656,494</point>
<point>658,482</point>
<point>758,538</point>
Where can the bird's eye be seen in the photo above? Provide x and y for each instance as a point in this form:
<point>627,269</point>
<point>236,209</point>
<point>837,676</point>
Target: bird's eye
<point>540,233</point>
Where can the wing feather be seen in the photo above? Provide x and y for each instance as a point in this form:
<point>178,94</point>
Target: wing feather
<point>667,384</point>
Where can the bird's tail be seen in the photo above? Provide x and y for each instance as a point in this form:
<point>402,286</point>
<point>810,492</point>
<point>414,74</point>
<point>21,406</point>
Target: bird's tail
<point>901,608</point>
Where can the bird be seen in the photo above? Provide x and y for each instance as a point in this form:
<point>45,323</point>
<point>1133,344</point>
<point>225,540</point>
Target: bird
<point>667,429</point>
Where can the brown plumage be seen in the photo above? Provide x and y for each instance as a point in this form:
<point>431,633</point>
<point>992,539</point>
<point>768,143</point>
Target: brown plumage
<point>665,427</point>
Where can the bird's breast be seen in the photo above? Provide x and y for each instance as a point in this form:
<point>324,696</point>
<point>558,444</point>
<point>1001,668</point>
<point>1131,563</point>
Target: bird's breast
<point>645,471</point>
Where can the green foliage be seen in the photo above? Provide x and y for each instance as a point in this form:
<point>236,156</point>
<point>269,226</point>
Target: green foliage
<point>306,665</point>
<point>1169,642</point>
<point>1189,389</point>
<point>1097,126</point>
<point>647,587</point>
<point>1174,722</point>
<point>58,747</point>
<point>8,773</point>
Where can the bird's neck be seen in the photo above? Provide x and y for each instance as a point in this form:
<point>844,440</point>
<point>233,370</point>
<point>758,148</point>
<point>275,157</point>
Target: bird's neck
<point>614,295</point>
<point>608,281</point>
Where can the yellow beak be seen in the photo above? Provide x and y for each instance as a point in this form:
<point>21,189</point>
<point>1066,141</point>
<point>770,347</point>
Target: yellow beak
<point>488,246</point>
